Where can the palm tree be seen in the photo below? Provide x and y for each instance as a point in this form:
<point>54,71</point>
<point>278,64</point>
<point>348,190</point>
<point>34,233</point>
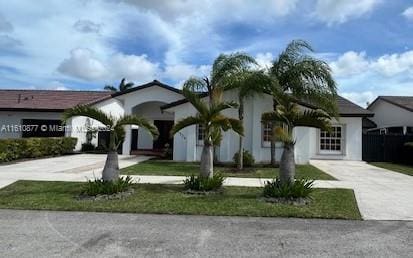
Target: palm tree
<point>305,77</point>
<point>227,70</point>
<point>248,82</point>
<point>289,113</point>
<point>123,86</point>
<point>210,118</point>
<point>116,133</point>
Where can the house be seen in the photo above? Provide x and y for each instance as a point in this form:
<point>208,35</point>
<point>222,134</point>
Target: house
<point>393,115</point>
<point>164,105</point>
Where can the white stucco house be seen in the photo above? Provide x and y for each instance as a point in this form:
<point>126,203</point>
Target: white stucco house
<point>164,105</point>
<point>393,115</point>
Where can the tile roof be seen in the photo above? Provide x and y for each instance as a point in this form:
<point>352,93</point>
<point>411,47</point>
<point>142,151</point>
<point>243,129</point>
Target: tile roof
<point>48,100</point>
<point>405,102</point>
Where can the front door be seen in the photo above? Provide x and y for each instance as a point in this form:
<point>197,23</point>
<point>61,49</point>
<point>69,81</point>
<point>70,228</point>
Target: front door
<point>164,128</point>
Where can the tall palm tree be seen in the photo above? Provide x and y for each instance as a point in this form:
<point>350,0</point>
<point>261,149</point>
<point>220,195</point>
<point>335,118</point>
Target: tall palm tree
<point>116,133</point>
<point>248,82</point>
<point>289,113</point>
<point>123,86</point>
<point>210,118</point>
<point>305,77</point>
<point>226,72</point>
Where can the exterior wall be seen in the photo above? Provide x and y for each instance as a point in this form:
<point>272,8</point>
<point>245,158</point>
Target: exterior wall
<point>11,118</point>
<point>78,124</point>
<point>307,139</point>
<point>389,115</point>
<point>136,98</point>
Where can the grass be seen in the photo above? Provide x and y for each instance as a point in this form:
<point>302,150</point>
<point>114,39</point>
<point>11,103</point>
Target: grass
<point>171,168</point>
<point>405,169</point>
<point>170,199</point>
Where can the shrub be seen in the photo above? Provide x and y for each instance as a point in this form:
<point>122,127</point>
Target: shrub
<point>88,147</point>
<point>204,184</point>
<point>300,188</point>
<point>99,187</point>
<point>13,149</point>
<point>248,159</point>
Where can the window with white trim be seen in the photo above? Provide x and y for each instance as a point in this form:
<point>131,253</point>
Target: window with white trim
<point>200,134</point>
<point>266,132</point>
<point>332,142</point>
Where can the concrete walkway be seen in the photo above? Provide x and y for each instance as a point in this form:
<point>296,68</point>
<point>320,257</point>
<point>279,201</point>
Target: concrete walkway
<point>78,168</point>
<point>381,194</point>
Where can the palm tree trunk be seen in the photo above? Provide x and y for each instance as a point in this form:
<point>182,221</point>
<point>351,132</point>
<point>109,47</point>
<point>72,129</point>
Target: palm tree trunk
<point>273,160</point>
<point>110,172</point>
<point>207,161</point>
<point>287,164</point>
<point>240,164</point>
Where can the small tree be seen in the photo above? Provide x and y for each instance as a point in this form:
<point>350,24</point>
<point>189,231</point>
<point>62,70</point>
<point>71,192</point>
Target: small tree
<point>210,118</point>
<point>290,115</point>
<point>116,133</point>
<point>123,86</point>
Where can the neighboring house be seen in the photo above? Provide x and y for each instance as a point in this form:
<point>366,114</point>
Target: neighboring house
<point>22,112</point>
<point>164,105</point>
<point>392,115</point>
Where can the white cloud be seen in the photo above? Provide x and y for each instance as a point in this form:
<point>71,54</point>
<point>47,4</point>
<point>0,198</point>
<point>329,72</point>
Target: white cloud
<point>181,72</point>
<point>133,67</point>
<point>408,13</point>
<point>360,98</point>
<point>390,65</point>
<point>340,11</point>
<point>350,63</point>
<point>56,85</point>
<point>83,64</point>
<point>264,60</point>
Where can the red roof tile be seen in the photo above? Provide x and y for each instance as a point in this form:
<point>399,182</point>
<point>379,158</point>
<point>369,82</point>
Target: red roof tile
<point>48,99</point>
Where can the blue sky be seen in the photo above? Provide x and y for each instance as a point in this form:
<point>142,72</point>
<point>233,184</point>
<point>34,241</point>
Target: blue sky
<point>85,44</point>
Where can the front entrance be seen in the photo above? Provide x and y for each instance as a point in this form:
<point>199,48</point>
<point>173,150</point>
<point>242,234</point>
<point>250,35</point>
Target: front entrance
<point>164,128</point>
<point>140,142</point>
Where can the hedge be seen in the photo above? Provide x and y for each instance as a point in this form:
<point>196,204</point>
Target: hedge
<point>13,149</point>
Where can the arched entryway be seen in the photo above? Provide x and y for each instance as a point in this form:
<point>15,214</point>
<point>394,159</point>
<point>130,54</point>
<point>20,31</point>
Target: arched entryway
<point>141,140</point>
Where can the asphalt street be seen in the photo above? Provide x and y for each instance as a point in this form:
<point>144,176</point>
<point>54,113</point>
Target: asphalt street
<point>80,234</point>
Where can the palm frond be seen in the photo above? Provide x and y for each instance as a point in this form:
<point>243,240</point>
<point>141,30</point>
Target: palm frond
<point>283,135</point>
<point>216,108</point>
<point>314,118</point>
<point>139,121</point>
<point>272,117</point>
<point>185,122</point>
<point>90,112</point>
<point>110,88</point>
<point>225,65</point>
<point>227,123</point>
<point>195,84</point>
<point>195,100</point>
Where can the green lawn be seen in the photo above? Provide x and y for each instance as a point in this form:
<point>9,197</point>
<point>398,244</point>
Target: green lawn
<point>171,168</point>
<point>405,169</point>
<point>170,199</point>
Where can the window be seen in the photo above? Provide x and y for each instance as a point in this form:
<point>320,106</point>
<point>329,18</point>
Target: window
<point>332,142</point>
<point>266,132</point>
<point>200,134</point>
<point>42,128</point>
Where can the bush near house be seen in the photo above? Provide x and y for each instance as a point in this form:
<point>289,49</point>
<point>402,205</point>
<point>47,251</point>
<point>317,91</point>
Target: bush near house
<point>248,159</point>
<point>13,149</point>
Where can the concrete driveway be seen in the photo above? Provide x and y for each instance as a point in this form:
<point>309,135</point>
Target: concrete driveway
<point>77,167</point>
<point>89,234</point>
<point>381,194</point>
